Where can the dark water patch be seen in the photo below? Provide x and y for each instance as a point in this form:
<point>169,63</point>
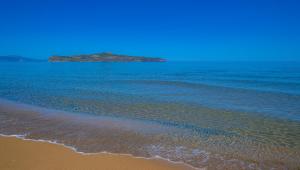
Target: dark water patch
<point>235,99</point>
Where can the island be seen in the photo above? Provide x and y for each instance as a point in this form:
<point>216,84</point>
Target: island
<point>103,57</point>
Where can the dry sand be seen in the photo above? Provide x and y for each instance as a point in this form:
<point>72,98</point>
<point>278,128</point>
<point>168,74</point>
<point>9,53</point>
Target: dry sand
<point>18,154</point>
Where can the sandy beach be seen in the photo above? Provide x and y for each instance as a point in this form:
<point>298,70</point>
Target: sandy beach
<point>19,154</point>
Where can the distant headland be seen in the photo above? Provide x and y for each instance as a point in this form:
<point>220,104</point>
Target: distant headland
<point>15,58</point>
<point>103,57</point>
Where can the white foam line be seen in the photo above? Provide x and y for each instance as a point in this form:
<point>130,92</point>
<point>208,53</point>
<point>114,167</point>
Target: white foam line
<point>23,137</point>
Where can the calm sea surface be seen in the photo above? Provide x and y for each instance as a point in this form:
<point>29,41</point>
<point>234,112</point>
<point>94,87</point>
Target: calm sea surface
<point>235,115</point>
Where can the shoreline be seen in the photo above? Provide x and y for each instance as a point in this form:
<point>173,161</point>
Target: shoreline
<point>10,106</point>
<point>37,124</point>
<point>17,152</point>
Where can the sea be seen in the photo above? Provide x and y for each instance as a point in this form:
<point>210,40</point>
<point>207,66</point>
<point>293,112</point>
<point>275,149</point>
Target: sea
<point>206,114</point>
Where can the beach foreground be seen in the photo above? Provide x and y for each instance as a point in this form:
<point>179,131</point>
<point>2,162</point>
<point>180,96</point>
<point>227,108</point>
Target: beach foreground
<point>207,115</point>
<point>22,154</point>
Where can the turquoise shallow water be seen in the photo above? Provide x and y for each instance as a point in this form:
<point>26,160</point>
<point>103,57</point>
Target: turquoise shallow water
<point>207,114</point>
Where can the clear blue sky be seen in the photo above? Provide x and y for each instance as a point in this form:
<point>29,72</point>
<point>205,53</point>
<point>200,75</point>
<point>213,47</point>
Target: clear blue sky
<point>176,30</point>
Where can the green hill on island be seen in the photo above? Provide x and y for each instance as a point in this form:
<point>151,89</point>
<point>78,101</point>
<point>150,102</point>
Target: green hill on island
<point>103,57</point>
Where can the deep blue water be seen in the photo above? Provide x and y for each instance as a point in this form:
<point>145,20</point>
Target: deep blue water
<point>251,104</point>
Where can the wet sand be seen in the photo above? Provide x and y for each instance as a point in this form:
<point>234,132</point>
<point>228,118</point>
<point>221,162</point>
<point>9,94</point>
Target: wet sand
<point>18,154</point>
